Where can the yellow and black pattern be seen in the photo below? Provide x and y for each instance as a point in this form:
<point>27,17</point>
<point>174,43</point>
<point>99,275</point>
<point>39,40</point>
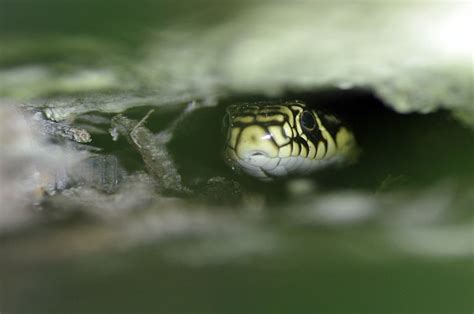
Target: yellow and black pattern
<point>269,140</point>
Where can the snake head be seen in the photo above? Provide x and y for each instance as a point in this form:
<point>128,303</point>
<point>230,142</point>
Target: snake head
<point>270,140</point>
<point>254,134</point>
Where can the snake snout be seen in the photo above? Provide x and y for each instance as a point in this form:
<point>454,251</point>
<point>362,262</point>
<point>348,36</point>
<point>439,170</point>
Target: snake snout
<point>257,158</point>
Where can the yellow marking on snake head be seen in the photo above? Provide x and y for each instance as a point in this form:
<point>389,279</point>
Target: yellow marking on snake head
<point>321,150</point>
<point>299,130</point>
<point>295,152</point>
<point>262,118</point>
<point>288,113</point>
<point>297,108</point>
<point>304,151</point>
<point>234,133</point>
<point>288,130</point>
<point>331,145</point>
<point>278,135</point>
<point>285,151</point>
<point>312,150</point>
<point>345,141</point>
<point>245,119</point>
<point>255,138</point>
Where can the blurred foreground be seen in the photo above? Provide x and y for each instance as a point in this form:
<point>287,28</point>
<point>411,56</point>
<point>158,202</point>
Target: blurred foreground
<point>87,226</point>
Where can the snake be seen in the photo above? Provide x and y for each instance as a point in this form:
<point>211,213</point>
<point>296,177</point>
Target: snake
<point>272,140</point>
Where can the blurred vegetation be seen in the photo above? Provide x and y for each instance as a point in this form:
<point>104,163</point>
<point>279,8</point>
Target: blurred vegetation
<point>414,55</point>
<point>391,234</point>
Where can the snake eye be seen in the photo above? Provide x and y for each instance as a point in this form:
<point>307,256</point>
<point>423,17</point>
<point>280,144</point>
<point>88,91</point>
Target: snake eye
<point>307,120</point>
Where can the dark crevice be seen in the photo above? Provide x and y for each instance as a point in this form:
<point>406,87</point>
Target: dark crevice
<point>403,150</point>
<point>397,150</point>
